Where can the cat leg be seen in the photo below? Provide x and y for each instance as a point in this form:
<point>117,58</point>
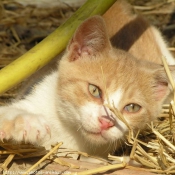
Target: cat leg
<point>20,125</point>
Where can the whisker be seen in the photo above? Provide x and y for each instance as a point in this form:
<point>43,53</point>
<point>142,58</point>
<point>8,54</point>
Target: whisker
<point>116,145</point>
<point>107,148</point>
<point>79,127</point>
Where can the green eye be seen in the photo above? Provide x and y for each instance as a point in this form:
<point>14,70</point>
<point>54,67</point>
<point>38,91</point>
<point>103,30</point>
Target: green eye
<point>95,91</point>
<point>132,108</point>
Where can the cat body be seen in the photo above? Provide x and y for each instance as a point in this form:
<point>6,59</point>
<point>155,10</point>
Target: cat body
<point>69,105</point>
<point>134,34</point>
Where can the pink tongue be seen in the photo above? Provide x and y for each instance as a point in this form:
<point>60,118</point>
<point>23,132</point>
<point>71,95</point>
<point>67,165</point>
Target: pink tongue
<point>105,123</point>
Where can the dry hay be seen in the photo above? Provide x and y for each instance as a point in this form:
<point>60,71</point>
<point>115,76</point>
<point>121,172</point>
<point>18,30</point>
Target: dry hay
<point>21,28</point>
<point>153,148</point>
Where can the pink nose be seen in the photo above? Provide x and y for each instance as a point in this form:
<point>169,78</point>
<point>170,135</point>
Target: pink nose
<point>105,123</point>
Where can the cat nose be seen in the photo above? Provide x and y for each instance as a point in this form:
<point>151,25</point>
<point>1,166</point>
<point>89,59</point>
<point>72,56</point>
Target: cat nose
<point>105,122</point>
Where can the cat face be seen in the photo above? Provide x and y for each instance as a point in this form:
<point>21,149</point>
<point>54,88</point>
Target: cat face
<point>92,75</point>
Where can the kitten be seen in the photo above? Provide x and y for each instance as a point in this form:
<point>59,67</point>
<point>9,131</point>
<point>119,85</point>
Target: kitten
<point>69,104</point>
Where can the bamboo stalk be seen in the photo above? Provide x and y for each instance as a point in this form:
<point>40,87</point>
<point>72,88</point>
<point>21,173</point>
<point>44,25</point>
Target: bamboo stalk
<point>51,46</point>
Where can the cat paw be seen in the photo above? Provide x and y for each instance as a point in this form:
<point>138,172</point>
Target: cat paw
<point>25,127</point>
<point>2,135</point>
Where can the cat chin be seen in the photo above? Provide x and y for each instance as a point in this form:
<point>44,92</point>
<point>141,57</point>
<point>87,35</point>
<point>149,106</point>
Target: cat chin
<point>101,138</point>
<point>94,137</point>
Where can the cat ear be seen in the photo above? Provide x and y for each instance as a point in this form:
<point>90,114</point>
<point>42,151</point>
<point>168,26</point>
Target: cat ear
<point>89,39</point>
<point>162,84</point>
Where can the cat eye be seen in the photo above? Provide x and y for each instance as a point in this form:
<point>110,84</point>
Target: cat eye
<point>94,91</point>
<point>132,108</point>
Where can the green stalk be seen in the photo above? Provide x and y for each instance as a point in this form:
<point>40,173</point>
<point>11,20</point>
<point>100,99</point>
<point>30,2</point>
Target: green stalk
<point>51,46</point>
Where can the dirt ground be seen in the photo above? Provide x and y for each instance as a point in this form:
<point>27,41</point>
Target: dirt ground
<point>23,27</point>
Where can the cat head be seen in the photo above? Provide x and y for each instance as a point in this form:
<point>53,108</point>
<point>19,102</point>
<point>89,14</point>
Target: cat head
<point>92,74</point>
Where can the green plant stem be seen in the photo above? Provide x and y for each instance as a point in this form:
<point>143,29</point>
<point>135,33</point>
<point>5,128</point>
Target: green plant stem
<point>50,47</point>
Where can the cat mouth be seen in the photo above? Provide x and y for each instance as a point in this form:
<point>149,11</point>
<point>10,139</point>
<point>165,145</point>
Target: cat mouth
<point>98,133</point>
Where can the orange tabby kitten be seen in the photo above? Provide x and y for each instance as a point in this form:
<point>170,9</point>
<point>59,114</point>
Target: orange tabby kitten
<point>69,104</point>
